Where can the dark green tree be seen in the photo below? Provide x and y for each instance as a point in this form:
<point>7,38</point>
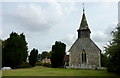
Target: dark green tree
<point>113,52</point>
<point>103,60</point>
<point>12,50</point>
<point>24,48</point>
<point>33,57</point>
<point>57,54</point>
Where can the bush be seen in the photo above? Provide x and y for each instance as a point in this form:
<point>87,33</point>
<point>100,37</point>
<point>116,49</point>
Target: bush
<point>24,65</point>
<point>39,64</point>
<point>44,64</point>
<point>47,65</point>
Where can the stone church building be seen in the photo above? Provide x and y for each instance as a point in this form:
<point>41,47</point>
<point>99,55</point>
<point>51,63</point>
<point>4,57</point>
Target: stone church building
<point>84,53</point>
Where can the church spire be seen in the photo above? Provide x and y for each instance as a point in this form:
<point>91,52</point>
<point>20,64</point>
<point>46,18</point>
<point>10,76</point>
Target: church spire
<point>83,26</point>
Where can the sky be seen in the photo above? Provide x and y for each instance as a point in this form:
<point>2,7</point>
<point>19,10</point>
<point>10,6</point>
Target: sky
<point>45,22</point>
<point>119,13</point>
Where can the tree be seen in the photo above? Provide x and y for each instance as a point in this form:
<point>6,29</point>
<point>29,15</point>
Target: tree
<point>13,50</point>
<point>103,60</point>
<point>57,54</point>
<point>44,55</point>
<point>39,58</point>
<point>24,48</point>
<point>33,57</point>
<point>113,52</point>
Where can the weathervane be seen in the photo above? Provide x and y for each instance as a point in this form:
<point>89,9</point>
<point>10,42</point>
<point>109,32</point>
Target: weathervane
<point>83,8</point>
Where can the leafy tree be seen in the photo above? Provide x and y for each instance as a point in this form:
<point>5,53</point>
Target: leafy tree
<point>57,54</point>
<point>33,57</point>
<point>103,60</point>
<point>44,55</point>
<point>13,50</point>
<point>113,52</point>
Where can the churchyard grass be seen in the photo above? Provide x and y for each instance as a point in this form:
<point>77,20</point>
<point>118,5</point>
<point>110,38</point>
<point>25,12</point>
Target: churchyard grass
<point>43,71</point>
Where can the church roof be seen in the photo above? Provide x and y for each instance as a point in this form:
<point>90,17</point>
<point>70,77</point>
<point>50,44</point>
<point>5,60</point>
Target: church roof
<point>83,43</point>
<point>83,24</point>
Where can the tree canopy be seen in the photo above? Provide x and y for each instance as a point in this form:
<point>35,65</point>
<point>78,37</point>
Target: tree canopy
<point>113,52</point>
<point>14,50</point>
<point>57,54</point>
<point>33,57</point>
<point>44,55</point>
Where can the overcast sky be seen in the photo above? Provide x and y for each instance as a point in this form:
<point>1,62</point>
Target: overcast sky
<point>43,23</point>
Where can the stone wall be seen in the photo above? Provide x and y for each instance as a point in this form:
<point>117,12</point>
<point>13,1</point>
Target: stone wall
<point>92,54</point>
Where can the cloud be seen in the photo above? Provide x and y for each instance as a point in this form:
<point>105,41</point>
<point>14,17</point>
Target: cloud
<point>0,20</point>
<point>119,13</point>
<point>69,39</point>
<point>104,36</point>
<point>30,17</point>
<point>36,18</point>
<point>60,0</point>
<point>101,38</point>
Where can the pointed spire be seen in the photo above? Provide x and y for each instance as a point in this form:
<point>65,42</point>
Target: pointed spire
<point>83,24</point>
<point>84,31</point>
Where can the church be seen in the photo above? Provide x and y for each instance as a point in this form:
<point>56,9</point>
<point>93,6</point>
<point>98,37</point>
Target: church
<point>84,53</point>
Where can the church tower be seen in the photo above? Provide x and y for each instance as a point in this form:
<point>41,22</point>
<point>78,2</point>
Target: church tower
<point>84,53</point>
<point>84,30</point>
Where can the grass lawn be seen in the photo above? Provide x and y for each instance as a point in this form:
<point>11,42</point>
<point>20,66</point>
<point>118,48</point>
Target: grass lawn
<point>43,71</point>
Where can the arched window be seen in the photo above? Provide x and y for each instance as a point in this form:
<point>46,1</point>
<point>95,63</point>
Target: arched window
<point>83,56</point>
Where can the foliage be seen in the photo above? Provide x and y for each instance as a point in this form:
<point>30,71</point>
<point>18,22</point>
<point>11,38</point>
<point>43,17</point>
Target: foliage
<point>33,57</point>
<point>24,65</point>
<point>113,52</point>
<point>14,49</point>
<point>57,54</point>
<point>43,64</point>
<point>44,55</point>
<point>46,64</point>
<point>103,60</point>
<point>24,47</point>
<point>39,64</point>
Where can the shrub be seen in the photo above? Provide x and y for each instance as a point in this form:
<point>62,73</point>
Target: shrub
<point>39,64</point>
<point>47,65</point>
<point>24,65</point>
<point>44,64</point>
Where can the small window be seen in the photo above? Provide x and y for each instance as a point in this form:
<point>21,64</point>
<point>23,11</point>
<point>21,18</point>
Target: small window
<point>83,56</point>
